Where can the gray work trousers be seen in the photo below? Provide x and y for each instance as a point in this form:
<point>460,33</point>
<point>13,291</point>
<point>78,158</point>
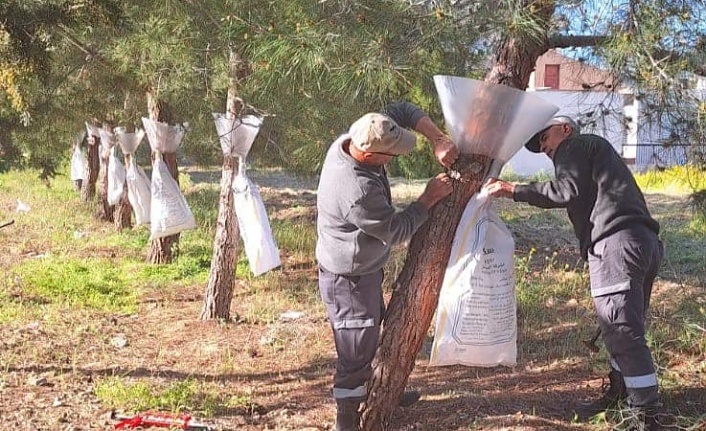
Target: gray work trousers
<point>355,308</point>
<point>623,268</point>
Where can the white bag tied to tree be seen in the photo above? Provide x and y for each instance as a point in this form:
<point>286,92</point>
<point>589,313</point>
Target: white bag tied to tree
<point>260,246</point>
<point>116,170</point>
<point>138,192</point>
<point>138,183</point>
<point>237,136</point>
<point>116,178</point>
<point>476,323</point>
<point>78,165</point>
<point>169,211</point>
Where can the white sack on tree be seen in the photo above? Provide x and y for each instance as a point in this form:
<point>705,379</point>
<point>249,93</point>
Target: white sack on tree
<point>476,323</point>
<point>169,211</point>
<point>260,246</point>
<point>116,178</point>
<point>138,184</point>
<point>138,192</point>
<point>78,165</point>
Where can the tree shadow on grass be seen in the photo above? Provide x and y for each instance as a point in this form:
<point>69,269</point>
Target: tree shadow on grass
<point>456,397</point>
<point>559,371</point>
<point>312,371</point>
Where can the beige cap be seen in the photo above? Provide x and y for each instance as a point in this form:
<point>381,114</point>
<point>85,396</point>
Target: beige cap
<point>377,133</point>
<point>535,146</point>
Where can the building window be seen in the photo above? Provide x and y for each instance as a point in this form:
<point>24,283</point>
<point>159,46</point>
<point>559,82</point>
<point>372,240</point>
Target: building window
<point>551,76</point>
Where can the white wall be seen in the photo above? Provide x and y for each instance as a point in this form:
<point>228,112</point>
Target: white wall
<point>600,112</point>
<point>632,114</point>
<point>656,135</point>
<point>653,133</point>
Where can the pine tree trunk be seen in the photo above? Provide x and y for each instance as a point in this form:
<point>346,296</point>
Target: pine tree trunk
<point>416,295</point>
<point>419,283</point>
<point>123,210</point>
<point>88,190</point>
<point>104,210</point>
<point>162,250</point>
<point>221,280</point>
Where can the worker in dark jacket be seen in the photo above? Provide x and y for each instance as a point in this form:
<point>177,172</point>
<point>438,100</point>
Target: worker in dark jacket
<point>357,225</point>
<point>619,239</point>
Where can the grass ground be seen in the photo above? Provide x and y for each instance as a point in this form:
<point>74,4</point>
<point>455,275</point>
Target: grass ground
<point>86,326</point>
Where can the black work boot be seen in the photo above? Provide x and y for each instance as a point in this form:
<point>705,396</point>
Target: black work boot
<point>613,392</point>
<point>652,418</point>
<point>347,415</point>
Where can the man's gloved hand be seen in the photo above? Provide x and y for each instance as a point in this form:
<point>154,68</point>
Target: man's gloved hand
<point>445,151</point>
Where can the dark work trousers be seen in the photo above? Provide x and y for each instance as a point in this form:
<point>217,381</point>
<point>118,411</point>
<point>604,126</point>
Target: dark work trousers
<point>623,267</point>
<point>355,309</point>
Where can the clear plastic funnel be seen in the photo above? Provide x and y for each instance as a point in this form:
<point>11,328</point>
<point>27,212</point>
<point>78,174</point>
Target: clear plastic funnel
<point>490,119</point>
<point>93,130</point>
<point>129,141</point>
<point>162,137</point>
<point>78,138</point>
<point>107,138</point>
<point>237,134</point>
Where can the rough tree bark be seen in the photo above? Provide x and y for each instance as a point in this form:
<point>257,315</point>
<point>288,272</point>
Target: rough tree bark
<point>123,210</point>
<point>416,296</point>
<point>221,280</point>
<point>104,210</point>
<point>88,189</point>
<point>162,249</point>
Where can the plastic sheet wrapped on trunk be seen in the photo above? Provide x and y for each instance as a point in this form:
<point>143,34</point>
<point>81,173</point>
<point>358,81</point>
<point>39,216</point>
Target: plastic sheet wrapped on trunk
<point>490,119</point>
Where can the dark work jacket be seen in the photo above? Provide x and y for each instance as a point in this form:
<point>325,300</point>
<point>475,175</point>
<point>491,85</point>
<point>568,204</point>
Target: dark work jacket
<point>596,188</point>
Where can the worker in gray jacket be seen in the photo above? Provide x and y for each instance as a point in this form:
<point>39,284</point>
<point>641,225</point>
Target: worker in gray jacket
<point>356,227</point>
<point>618,237</point>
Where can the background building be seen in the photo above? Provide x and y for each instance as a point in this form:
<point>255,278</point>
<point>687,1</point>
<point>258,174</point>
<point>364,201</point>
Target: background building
<point>587,94</point>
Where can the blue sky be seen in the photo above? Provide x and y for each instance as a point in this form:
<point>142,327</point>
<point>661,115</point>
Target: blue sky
<point>589,17</point>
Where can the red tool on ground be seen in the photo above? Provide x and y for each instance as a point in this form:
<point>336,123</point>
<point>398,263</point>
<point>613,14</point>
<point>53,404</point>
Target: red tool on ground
<point>160,420</point>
